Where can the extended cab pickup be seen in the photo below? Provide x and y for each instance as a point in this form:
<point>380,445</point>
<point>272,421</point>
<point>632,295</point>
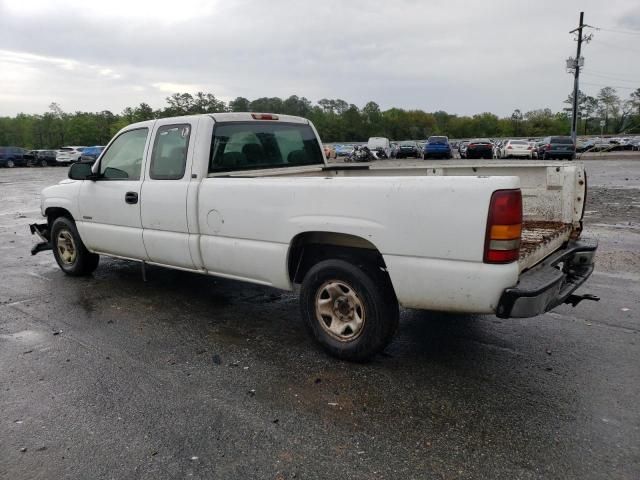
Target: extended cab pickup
<point>251,197</point>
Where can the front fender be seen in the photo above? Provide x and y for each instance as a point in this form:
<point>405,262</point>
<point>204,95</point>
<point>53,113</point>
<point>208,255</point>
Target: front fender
<point>64,195</point>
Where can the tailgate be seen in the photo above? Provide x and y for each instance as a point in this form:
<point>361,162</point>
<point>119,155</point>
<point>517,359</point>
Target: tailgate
<point>540,239</point>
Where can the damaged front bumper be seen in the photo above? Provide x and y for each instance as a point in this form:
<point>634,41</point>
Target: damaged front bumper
<point>42,231</point>
<point>551,282</point>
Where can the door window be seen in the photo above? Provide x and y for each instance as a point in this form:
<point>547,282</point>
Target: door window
<point>169,158</point>
<point>123,158</point>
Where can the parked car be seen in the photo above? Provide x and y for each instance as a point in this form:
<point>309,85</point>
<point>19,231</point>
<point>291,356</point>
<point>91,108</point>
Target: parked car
<point>534,149</point>
<point>515,148</point>
<point>437,147</point>
<point>343,150</point>
<point>479,148</point>
<point>408,149</point>
<point>68,155</point>
<point>395,147</point>
<point>329,152</point>
<point>46,157</point>
<point>462,148</point>
<point>31,157</point>
<point>266,213</point>
<point>90,154</point>
<point>376,143</point>
<point>593,145</point>
<point>12,157</point>
<point>557,147</point>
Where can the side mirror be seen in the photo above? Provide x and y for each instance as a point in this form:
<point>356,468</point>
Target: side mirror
<point>81,171</point>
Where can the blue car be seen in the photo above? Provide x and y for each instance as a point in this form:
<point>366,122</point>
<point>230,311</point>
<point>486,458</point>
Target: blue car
<point>437,147</point>
<point>90,154</point>
<point>12,157</point>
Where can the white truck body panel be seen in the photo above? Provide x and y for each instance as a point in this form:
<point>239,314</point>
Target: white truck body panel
<point>428,222</point>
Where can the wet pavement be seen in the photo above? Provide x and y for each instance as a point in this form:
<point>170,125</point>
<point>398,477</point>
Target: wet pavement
<point>186,376</point>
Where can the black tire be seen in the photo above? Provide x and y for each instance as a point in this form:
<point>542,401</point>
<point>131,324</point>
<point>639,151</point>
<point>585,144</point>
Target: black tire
<point>375,304</point>
<point>72,256</point>
<point>10,164</point>
<point>44,163</point>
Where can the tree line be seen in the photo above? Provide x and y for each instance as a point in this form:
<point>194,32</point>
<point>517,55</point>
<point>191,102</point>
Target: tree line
<point>336,120</point>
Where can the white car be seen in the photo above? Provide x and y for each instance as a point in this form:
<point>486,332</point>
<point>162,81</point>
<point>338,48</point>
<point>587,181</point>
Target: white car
<point>254,199</point>
<point>516,148</point>
<point>375,143</point>
<point>68,155</point>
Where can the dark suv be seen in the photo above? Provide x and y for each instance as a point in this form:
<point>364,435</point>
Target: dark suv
<point>557,147</point>
<point>408,149</point>
<point>12,157</point>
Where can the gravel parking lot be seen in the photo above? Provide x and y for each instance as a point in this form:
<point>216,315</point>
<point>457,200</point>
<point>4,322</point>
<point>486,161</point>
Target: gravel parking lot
<point>190,376</point>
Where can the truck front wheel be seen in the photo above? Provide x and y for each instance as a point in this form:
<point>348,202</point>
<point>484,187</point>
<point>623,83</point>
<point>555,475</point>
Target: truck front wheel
<point>352,312</point>
<point>72,256</point>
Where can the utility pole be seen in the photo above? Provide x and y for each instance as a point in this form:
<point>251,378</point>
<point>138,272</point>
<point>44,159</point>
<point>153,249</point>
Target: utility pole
<point>578,62</point>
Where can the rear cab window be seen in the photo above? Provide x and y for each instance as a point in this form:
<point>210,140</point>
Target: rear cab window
<point>562,140</point>
<point>262,145</point>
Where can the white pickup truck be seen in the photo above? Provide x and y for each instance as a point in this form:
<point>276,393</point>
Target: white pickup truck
<point>251,197</point>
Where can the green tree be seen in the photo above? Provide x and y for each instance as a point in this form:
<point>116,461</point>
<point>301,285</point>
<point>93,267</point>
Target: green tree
<point>240,104</point>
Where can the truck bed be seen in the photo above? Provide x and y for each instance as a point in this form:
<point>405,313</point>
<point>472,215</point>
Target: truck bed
<point>552,192</point>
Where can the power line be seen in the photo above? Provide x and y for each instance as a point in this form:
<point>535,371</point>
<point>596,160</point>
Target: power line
<point>617,47</point>
<point>600,73</point>
<point>609,76</point>
<point>612,86</point>
<point>614,30</point>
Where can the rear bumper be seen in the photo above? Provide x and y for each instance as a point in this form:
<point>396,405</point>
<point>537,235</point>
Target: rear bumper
<point>559,154</point>
<point>436,153</point>
<point>551,282</point>
<point>477,153</point>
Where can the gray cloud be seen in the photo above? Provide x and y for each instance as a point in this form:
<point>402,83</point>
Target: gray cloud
<point>437,55</point>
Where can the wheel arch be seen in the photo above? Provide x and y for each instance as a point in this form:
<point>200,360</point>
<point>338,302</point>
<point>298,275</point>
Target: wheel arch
<point>308,248</point>
<point>55,212</point>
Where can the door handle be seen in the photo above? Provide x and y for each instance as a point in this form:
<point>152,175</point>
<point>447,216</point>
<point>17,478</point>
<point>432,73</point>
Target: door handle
<point>131,197</point>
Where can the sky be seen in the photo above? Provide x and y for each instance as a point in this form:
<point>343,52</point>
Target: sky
<point>462,57</point>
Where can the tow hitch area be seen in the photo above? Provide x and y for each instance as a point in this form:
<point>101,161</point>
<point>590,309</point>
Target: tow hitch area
<point>574,300</point>
<point>42,231</point>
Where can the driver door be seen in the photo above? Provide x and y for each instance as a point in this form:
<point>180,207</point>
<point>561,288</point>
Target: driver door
<point>110,206</point>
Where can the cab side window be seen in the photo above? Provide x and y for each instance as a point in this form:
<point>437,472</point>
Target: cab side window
<point>123,158</point>
<point>169,158</point>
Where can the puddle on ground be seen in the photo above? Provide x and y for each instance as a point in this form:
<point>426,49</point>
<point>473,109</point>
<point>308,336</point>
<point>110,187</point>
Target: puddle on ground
<point>25,336</point>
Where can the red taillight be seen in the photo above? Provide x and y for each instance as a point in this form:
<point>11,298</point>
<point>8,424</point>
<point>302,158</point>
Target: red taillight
<point>547,146</point>
<point>471,145</point>
<point>264,116</point>
<point>509,147</point>
<point>504,227</point>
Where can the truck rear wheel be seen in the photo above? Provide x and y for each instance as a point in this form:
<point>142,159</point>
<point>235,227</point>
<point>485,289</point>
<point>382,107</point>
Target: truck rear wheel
<point>72,256</point>
<point>353,313</point>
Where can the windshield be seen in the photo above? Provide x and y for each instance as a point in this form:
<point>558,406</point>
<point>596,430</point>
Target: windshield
<point>437,140</point>
<point>562,140</point>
